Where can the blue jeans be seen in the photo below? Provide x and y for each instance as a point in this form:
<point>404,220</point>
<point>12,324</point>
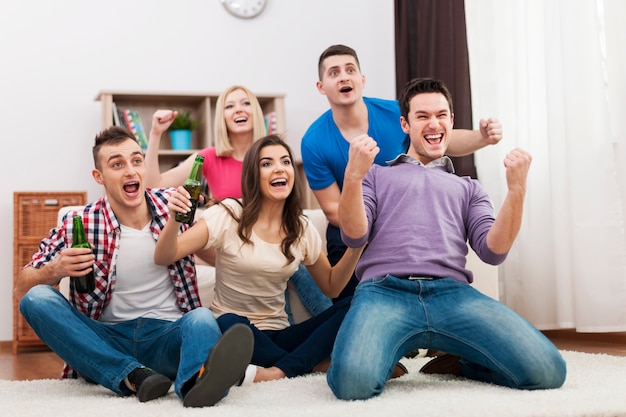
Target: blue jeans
<point>391,316</point>
<point>106,353</point>
<point>312,298</point>
<point>296,349</point>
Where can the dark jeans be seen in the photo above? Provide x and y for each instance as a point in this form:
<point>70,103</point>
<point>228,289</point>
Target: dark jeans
<point>336,248</point>
<point>298,348</point>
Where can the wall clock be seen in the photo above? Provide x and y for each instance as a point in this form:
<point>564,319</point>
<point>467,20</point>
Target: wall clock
<point>245,9</point>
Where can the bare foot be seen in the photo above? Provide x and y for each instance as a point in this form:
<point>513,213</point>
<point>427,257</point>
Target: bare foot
<point>268,374</point>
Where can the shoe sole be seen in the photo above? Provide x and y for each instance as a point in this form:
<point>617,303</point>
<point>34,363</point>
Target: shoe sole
<point>446,364</point>
<point>153,387</point>
<point>223,368</point>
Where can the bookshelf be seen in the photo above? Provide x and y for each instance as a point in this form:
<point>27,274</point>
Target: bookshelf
<point>200,105</point>
<point>202,108</point>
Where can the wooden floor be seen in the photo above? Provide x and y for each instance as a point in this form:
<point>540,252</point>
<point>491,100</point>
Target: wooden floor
<point>28,365</point>
<point>45,364</point>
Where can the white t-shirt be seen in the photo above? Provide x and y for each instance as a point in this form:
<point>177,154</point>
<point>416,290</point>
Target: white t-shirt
<point>142,288</point>
<point>250,280</point>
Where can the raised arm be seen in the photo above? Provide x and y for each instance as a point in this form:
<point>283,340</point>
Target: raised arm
<point>172,246</point>
<point>328,199</point>
<point>363,150</point>
<point>351,215</point>
<point>332,280</point>
<point>504,230</point>
<point>161,120</point>
<point>464,142</point>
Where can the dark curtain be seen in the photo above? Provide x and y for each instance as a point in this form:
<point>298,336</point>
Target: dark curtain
<point>431,41</point>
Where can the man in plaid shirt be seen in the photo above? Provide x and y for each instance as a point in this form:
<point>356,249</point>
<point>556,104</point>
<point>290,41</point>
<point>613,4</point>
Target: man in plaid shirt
<point>143,325</point>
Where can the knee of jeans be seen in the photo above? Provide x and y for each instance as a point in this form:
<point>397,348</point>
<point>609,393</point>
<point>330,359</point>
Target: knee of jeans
<point>228,320</point>
<point>549,373</point>
<point>39,296</point>
<point>201,317</point>
<point>353,382</point>
<point>555,375</point>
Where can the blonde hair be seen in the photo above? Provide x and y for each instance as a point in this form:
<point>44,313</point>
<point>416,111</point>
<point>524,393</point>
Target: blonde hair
<point>223,146</point>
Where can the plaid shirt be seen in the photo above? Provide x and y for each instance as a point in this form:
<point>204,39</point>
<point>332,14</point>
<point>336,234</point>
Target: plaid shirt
<point>103,231</point>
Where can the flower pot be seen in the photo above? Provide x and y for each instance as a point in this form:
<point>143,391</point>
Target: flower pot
<point>181,139</point>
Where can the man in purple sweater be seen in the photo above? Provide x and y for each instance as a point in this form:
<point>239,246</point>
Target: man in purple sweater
<point>414,289</point>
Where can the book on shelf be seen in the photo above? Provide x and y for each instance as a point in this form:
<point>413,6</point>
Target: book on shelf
<point>138,130</point>
<point>120,119</point>
<point>116,116</point>
<point>126,120</point>
<point>271,125</point>
<point>131,120</point>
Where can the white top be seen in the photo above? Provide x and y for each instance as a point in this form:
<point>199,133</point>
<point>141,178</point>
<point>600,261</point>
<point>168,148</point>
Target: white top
<point>143,288</point>
<point>250,280</point>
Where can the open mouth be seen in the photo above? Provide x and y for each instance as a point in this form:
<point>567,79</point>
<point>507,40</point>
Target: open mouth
<point>241,120</point>
<point>279,182</point>
<point>434,139</point>
<point>131,187</point>
<point>345,89</point>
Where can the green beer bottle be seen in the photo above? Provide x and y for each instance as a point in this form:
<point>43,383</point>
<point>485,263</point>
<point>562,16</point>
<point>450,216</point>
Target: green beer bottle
<point>87,282</point>
<point>193,185</point>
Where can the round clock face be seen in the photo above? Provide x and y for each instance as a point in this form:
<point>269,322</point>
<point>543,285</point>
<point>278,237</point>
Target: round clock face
<point>245,9</point>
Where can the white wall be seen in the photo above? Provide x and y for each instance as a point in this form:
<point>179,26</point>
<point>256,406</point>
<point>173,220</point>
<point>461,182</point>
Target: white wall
<point>56,56</point>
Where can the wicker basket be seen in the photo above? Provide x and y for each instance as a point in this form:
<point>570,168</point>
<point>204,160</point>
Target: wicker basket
<point>35,213</point>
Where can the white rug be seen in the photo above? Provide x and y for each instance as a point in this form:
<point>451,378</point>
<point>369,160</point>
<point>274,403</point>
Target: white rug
<point>595,386</point>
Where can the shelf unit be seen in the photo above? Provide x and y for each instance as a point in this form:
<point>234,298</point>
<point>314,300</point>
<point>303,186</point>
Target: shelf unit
<point>200,105</point>
<point>202,108</point>
<point>34,214</point>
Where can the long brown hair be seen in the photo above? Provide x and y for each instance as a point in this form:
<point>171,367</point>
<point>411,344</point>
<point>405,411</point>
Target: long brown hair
<point>252,197</point>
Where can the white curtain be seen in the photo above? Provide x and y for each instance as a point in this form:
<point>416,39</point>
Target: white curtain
<point>553,72</point>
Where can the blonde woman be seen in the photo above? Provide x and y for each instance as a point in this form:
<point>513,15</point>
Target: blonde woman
<point>238,124</point>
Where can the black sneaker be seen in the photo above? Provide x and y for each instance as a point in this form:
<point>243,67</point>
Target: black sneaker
<point>223,368</point>
<point>148,384</point>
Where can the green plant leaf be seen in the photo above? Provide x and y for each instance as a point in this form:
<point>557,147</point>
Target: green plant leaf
<point>183,121</point>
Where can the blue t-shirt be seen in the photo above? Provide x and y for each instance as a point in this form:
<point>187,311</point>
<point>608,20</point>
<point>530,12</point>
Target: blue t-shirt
<point>325,151</point>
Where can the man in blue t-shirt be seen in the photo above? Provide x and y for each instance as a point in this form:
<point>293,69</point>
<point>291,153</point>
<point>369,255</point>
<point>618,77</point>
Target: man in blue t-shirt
<point>325,144</point>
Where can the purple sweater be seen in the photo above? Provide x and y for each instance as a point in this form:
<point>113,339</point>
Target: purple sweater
<point>420,219</point>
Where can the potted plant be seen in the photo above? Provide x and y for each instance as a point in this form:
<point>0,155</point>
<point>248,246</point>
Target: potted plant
<point>180,131</point>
